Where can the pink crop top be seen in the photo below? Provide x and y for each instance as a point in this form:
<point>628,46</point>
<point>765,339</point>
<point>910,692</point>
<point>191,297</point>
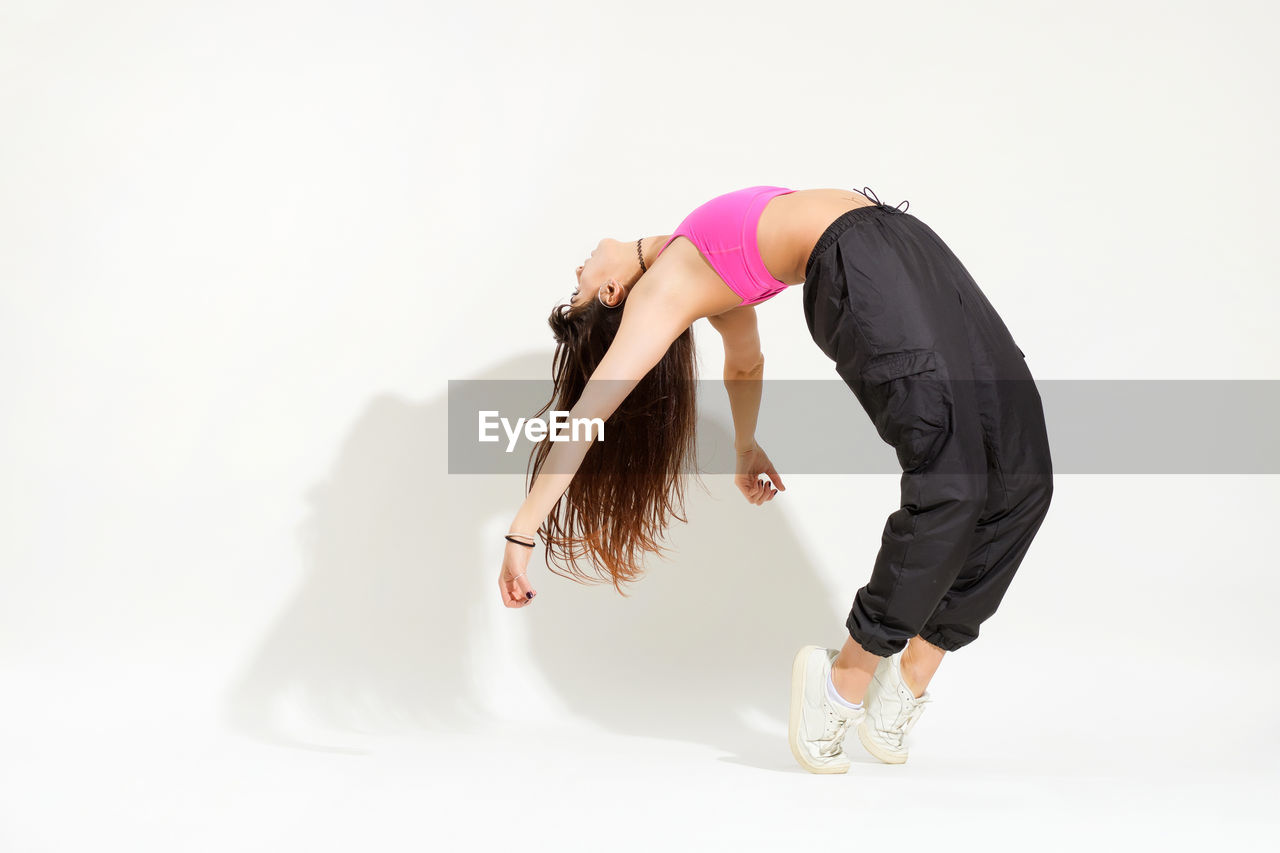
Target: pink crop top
<point>724,229</point>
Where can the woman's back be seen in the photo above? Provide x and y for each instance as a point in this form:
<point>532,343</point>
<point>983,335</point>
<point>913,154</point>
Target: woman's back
<point>790,226</point>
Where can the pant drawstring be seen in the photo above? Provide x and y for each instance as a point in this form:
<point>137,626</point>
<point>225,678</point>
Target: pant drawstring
<point>870,193</point>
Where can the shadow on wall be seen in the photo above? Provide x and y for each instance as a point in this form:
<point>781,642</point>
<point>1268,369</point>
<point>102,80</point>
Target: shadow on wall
<point>398,575</point>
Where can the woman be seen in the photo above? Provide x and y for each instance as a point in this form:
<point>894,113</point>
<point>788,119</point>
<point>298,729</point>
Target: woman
<point>922,349</point>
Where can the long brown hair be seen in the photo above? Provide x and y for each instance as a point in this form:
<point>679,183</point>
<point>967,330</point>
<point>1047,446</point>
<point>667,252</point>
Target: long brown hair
<point>619,502</point>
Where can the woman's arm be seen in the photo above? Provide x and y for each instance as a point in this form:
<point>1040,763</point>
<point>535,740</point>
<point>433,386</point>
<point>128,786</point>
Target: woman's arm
<point>743,379</point>
<point>745,389</point>
<point>743,370</point>
<point>654,314</point>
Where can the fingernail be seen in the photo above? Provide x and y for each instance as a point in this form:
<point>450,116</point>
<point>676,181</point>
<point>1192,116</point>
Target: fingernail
<point>528,595</point>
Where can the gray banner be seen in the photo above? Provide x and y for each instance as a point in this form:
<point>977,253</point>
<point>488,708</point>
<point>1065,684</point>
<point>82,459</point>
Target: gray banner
<point>818,426</point>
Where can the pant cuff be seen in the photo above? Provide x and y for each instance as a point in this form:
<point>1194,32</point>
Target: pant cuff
<point>872,643</point>
<point>946,642</point>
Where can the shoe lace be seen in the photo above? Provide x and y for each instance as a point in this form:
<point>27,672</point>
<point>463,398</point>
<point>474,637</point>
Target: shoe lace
<point>917,708</point>
<point>837,740</point>
<point>896,734</point>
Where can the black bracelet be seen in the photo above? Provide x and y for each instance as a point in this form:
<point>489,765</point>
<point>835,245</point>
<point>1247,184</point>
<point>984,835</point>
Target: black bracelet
<point>517,541</point>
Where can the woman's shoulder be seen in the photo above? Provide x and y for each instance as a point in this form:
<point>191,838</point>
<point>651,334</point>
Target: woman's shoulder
<point>691,276</point>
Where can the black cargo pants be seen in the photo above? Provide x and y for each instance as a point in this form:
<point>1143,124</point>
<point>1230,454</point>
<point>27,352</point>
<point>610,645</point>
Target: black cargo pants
<point>947,387</point>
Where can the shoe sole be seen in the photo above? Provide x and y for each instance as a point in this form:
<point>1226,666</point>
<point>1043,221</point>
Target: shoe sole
<point>878,751</point>
<point>797,703</point>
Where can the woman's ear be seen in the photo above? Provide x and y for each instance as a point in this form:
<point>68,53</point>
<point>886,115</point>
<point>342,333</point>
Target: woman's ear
<point>610,294</point>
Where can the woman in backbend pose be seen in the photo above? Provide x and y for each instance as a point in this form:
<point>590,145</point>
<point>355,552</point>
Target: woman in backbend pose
<point>915,340</point>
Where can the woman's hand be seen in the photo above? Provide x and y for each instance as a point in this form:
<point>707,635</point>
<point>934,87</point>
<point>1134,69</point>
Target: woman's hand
<point>751,464</point>
<point>513,583</point>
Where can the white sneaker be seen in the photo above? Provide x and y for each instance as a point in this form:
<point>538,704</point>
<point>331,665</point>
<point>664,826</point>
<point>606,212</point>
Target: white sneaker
<point>818,725</point>
<point>892,710</point>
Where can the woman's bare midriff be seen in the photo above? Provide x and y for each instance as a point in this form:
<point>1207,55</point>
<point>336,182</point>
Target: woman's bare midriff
<point>791,224</point>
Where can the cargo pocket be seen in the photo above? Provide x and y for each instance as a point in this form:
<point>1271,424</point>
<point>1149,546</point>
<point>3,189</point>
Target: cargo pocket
<point>909,401</point>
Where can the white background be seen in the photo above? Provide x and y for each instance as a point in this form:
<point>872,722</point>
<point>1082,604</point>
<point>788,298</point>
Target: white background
<point>243,247</point>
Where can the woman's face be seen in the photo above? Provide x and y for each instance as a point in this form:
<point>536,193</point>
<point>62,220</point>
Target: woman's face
<point>601,266</point>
